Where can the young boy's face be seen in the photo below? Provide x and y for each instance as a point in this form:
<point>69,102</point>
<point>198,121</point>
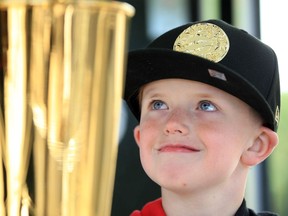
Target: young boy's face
<point>192,136</point>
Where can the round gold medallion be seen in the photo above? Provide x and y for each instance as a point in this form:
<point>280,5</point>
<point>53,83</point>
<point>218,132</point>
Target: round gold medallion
<point>206,40</point>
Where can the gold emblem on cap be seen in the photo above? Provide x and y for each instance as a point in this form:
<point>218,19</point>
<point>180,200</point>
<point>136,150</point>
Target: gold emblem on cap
<point>206,40</point>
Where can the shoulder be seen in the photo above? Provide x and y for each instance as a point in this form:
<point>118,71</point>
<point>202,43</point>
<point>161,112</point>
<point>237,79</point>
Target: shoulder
<point>266,213</point>
<point>244,211</point>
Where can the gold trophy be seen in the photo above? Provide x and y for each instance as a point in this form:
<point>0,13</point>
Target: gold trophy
<point>62,64</point>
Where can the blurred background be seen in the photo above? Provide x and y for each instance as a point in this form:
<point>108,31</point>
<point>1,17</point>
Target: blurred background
<point>267,184</point>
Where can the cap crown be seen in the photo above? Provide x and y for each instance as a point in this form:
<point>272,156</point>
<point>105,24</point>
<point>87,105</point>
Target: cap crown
<point>247,68</point>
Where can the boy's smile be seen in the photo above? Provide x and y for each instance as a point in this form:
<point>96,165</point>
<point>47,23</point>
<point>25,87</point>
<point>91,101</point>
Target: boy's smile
<point>192,135</point>
<point>181,148</point>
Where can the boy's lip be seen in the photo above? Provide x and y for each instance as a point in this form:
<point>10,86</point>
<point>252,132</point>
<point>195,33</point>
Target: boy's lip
<point>181,148</point>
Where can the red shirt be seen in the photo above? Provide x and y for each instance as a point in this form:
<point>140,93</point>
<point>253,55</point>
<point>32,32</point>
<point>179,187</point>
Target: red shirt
<point>153,208</point>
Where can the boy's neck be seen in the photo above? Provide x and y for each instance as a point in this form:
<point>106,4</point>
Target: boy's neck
<point>224,200</point>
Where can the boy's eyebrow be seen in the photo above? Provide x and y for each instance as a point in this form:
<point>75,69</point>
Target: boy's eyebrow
<point>148,96</point>
<point>205,95</point>
<point>151,90</point>
<point>152,95</point>
<point>148,93</point>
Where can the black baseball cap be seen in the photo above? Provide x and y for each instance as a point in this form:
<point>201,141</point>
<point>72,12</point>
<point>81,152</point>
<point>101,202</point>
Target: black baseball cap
<point>212,52</point>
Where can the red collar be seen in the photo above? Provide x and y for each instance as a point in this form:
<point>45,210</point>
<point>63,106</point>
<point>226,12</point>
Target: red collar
<point>153,208</point>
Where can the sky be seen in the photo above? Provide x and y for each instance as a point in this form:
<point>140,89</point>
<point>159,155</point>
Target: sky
<point>274,32</point>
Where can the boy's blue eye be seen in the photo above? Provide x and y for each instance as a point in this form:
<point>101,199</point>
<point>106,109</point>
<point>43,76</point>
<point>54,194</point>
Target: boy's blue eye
<point>159,105</point>
<point>207,106</point>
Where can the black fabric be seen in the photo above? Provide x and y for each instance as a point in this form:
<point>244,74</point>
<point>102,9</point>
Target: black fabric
<point>244,211</point>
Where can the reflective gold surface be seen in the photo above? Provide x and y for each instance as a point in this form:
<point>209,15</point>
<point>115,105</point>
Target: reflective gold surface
<point>205,40</point>
<point>63,67</point>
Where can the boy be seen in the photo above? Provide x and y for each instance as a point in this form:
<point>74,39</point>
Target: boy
<point>207,98</point>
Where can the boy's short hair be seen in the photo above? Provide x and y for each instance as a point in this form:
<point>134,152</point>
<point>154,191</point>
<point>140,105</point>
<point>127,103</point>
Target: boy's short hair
<point>215,53</point>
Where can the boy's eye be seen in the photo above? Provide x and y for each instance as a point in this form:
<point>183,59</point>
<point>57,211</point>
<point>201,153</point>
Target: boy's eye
<point>207,106</point>
<point>159,105</point>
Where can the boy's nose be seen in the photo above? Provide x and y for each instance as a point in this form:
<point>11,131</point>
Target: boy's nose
<point>177,123</point>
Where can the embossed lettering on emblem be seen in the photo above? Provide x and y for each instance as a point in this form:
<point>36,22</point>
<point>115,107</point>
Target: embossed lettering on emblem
<point>206,40</point>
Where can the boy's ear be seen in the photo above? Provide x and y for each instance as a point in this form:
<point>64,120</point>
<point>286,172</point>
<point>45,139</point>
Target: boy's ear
<point>137,134</point>
<point>261,148</point>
